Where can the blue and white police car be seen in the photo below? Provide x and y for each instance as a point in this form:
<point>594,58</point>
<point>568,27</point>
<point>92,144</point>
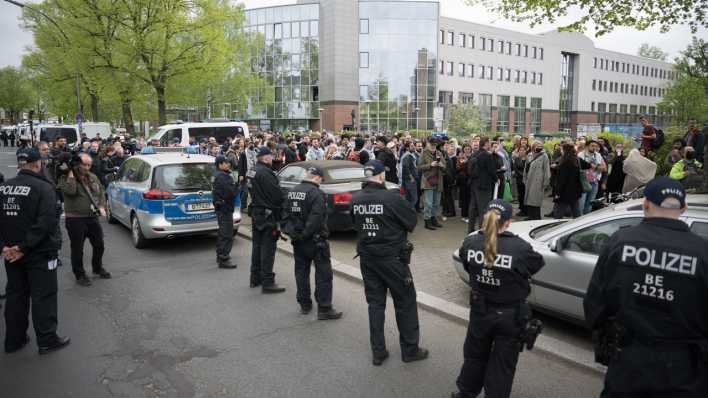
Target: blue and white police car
<point>164,195</point>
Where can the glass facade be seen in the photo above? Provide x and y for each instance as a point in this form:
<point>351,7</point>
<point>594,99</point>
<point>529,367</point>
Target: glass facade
<point>535,115</point>
<point>288,60</point>
<point>519,115</point>
<point>503,113</point>
<point>397,89</point>
<point>566,89</point>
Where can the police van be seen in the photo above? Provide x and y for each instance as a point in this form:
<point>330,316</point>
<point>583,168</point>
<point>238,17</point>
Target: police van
<point>183,133</point>
<point>50,132</point>
<point>164,195</point>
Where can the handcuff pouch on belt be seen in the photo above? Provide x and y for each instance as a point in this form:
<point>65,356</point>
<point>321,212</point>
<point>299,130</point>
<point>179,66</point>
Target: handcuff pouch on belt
<point>406,252</point>
<point>531,328</point>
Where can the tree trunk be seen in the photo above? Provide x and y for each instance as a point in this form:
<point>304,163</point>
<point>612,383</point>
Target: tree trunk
<point>94,107</point>
<point>127,113</point>
<point>161,109</point>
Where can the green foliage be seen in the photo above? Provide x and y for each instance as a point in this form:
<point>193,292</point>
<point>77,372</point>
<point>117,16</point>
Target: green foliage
<point>694,60</point>
<point>15,95</point>
<point>659,155</point>
<point>549,144</point>
<point>605,16</point>
<point>686,98</point>
<point>465,120</point>
<point>652,52</point>
<point>617,138</point>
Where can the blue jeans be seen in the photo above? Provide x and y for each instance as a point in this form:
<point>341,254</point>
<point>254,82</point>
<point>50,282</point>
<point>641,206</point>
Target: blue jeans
<point>411,191</point>
<point>586,198</point>
<point>432,203</point>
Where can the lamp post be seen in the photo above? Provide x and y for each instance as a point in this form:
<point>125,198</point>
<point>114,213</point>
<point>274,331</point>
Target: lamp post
<point>322,120</point>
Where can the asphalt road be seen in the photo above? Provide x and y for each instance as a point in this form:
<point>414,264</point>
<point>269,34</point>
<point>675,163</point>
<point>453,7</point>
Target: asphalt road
<point>170,324</point>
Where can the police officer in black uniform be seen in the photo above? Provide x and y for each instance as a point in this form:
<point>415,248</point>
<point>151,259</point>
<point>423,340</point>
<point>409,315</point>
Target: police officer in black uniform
<point>30,243</point>
<point>383,219</point>
<point>266,203</point>
<point>648,302</point>
<point>223,195</point>
<point>306,224</point>
<point>500,265</point>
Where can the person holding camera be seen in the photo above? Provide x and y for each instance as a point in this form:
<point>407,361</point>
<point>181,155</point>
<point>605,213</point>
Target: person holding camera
<point>431,166</point>
<point>306,224</point>
<point>383,219</point>
<point>30,242</point>
<point>500,265</point>
<point>647,302</point>
<point>84,202</point>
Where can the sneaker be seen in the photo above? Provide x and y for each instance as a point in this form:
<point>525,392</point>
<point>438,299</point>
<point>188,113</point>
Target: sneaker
<point>58,344</point>
<point>83,280</point>
<point>15,348</point>
<point>328,313</point>
<point>379,358</point>
<point>465,220</point>
<point>418,356</point>
<point>102,273</point>
<point>226,264</point>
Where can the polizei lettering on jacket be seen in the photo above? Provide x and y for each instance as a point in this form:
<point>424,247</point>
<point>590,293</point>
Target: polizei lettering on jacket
<point>16,190</point>
<point>370,209</point>
<point>501,261</point>
<point>293,195</point>
<point>652,258</point>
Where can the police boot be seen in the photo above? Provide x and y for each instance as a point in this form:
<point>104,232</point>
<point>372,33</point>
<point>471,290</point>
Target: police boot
<point>57,344</point>
<point>255,280</point>
<point>305,308</point>
<point>225,263</point>
<point>435,222</point>
<point>429,225</point>
<point>421,354</point>
<point>328,313</point>
<point>379,358</point>
<point>272,289</point>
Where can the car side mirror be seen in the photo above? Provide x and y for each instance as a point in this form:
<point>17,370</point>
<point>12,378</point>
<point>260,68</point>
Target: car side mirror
<point>555,245</point>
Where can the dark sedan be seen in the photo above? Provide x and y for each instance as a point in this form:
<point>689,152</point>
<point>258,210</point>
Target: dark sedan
<point>341,179</point>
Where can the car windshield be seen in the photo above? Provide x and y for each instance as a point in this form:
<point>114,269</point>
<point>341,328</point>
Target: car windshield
<point>49,134</point>
<point>346,174</point>
<point>184,177</point>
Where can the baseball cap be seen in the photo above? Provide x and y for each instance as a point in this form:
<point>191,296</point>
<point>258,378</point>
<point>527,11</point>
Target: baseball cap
<point>504,208</point>
<point>220,159</point>
<point>373,168</point>
<point>662,188</point>
<point>28,155</point>
<point>315,171</point>
<point>263,151</point>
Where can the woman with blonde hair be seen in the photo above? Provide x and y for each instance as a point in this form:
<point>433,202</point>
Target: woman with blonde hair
<point>500,265</point>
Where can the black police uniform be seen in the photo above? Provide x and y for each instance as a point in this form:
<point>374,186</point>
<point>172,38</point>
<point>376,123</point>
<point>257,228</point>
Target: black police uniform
<point>653,280</point>
<point>497,309</point>
<point>28,220</point>
<point>383,219</point>
<point>223,194</point>
<point>266,203</point>
<point>306,223</point>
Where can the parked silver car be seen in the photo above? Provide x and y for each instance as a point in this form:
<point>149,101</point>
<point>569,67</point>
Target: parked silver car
<point>571,249</point>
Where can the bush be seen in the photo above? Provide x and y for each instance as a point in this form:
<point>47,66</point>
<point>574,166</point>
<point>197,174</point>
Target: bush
<point>659,155</point>
<point>617,138</point>
<point>549,144</point>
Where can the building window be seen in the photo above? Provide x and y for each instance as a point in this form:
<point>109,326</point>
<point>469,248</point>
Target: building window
<point>642,109</point>
<point>652,110</point>
<point>632,109</point>
<point>535,108</point>
<point>490,45</point>
<point>500,74</point>
<point>364,26</point>
<point>604,86</point>
<point>613,113</point>
<point>470,41</point>
<point>508,48</point>
<point>540,78</point>
<point>500,47</point>
<point>363,60</point>
<point>623,114</point>
<point>461,69</point>
<point>533,52</point>
<point>482,69</point>
<point>462,38</point>
<point>533,77</point>
<point>465,98</point>
<point>519,114</point>
<point>594,62</point>
<point>601,110</point>
<point>445,97</point>
<point>442,36</point>
<point>450,38</point>
<point>442,67</point>
<point>540,53</point>
<point>611,86</point>
<point>524,77</point>
<point>490,73</point>
<point>502,113</point>
<point>363,93</point>
<point>592,106</point>
<point>485,109</point>
<point>518,50</point>
<point>470,70</point>
<point>507,75</point>
<point>593,84</point>
<point>450,68</point>
<point>483,43</point>
<point>526,50</point>
<point>517,76</point>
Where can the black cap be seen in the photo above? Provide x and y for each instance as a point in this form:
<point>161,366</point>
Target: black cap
<point>315,171</point>
<point>503,207</point>
<point>373,168</point>
<point>28,155</point>
<point>220,159</point>
<point>263,151</point>
<point>662,188</point>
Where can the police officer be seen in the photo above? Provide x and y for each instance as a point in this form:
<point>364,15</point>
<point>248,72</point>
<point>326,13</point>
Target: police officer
<point>383,219</point>
<point>223,195</point>
<point>266,203</point>
<point>650,288</point>
<point>30,243</point>
<point>500,265</point>
<point>306,223</point>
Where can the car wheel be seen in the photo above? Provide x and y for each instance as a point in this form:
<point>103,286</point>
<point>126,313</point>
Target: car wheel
<point>136,232</point>
<point>109,214</point>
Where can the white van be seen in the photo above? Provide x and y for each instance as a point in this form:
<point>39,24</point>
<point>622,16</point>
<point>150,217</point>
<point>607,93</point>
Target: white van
<point>93,128</point>
<point>50,132</point>
<point>198,131</point>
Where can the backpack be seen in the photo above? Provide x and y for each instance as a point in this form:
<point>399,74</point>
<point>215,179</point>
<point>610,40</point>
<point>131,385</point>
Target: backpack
<point>660,139</point>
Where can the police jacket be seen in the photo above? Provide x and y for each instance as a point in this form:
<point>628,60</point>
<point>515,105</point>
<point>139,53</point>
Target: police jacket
<point>382,219</point>
<point>265,189</point>
<point>28,216</point>
<point>223,192</point>
<point>305,212</point>
<point>507,282</point>
<point>653,278</point>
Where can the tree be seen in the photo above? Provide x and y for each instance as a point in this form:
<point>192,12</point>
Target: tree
<point>693,61</point>
<point>685,99</point>
<point>652,52</point>
<point>604,15</point>
<point>15,95</point>
<point>465,119</point>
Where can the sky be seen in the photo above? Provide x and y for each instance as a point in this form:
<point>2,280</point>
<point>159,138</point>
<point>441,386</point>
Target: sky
<point>14,40</point>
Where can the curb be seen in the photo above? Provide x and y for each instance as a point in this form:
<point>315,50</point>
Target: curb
<point>551,346</point>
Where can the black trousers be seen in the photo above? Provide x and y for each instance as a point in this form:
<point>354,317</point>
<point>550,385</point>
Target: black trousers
<point>533,212</point>
<point>521,192</point>
<point>464,197</point>
<point>448,200</point>
<point>224,235</point>
<point>78,229</point>
<point>388,274</point>
<point>491,352</point>
<point>478,202</point>
<point>263,255</point>
<point>305,254</point>
<point>563,209</point>
<point>30,281</point>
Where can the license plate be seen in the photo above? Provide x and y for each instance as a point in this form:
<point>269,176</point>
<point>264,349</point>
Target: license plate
<point>200,206</point>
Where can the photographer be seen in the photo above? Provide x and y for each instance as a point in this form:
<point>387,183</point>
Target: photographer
<point>84,203</point>
<point>432,167</point>
<point>500,265</point>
